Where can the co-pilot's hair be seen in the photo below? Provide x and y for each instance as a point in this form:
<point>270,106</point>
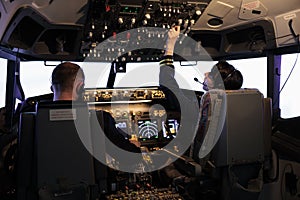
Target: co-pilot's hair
<point>230,76</point>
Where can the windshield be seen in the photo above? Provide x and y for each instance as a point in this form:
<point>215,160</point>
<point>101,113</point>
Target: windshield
<point>289,95</point>
<point>35,76</point>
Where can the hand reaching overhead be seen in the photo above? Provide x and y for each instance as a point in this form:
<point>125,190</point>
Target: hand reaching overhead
<point>173,34</point>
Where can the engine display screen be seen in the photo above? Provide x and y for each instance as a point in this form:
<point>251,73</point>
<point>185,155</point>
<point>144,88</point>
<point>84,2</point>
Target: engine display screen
<point>170,128</point>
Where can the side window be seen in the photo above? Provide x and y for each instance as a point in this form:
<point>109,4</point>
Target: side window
<point>3,74</point>
<point>289,96</point>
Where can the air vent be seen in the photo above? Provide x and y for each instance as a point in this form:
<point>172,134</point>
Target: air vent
<point>215,22</point>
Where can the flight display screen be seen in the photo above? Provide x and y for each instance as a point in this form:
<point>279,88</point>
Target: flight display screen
<point>123,125</point>
<point>170,128</point>
<point>148,129</point>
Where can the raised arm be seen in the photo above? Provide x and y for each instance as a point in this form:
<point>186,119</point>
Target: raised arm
<point>166,75</point>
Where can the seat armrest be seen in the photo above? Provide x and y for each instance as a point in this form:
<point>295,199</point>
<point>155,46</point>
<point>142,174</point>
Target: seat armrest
<point>187,164</point>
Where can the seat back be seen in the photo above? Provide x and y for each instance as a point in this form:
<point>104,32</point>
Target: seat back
<point>99,151</point>
<point>240,151</point>
<point>61,156</point>
<point>25,175</point>
<point>242,137</point>
<point>268,127</point>
<point>55,146</point>
<point>213,113</point>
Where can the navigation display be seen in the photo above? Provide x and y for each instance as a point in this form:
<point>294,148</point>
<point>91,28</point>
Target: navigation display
<point>148,129</point>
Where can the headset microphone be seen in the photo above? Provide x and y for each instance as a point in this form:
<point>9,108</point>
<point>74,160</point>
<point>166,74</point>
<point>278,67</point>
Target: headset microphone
<point>195,79</point>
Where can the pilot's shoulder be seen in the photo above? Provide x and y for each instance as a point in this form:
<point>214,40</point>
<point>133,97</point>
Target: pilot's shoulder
<point>28,105</point>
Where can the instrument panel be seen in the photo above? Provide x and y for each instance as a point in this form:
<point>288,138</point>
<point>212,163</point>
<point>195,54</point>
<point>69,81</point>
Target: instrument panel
<point>142,112</point>
<point>123,94</point>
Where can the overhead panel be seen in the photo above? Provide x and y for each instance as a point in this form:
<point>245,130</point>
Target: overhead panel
<point>71,30</point>
<point>131,31</point>
<point>220,9</point>
<point>42,27</point>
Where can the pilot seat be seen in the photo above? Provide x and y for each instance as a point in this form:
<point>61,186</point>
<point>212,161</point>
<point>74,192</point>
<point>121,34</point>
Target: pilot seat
<point>228,157</point>
<point>55,160</point>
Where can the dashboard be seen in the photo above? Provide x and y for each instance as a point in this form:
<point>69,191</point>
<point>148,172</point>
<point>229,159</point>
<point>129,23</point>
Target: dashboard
<point>144,113</point>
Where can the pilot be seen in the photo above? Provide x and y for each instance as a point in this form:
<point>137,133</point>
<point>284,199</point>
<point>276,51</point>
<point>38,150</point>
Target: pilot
<point>68,84</point>
<point>180,101</point>
<point>222,76</point>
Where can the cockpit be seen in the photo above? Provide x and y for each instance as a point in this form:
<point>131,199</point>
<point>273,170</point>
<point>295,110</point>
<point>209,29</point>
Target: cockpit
<point>249,148</point>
